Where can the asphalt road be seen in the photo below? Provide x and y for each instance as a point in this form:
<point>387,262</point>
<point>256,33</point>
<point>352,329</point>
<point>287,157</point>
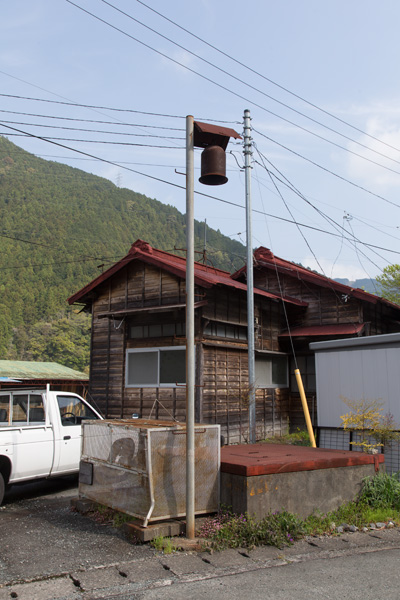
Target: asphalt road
<point>48,552</point>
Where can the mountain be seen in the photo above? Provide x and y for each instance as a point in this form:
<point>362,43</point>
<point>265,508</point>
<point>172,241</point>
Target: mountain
<point>59,227</point>
<point>369,285</point>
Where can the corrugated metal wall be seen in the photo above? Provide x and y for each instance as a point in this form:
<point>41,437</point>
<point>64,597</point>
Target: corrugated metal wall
<point>355,369</point>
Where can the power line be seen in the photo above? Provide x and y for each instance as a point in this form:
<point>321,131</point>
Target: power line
<point>229,74</point>
<point>360,187</point>
<point>326,217</point>
<point>326,112</point>
<point>49,138</point>
<point>77,104</point>
<point>224,87</point>
<point>149,135</point>
<point>115,123</point>
<point>230,203</point>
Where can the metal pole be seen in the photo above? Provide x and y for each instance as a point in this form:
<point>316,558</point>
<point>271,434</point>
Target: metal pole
<point>250,285</point>
<point>190,374</point>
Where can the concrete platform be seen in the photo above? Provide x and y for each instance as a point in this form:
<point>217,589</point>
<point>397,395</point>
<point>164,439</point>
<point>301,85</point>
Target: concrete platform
<point>272,477</point>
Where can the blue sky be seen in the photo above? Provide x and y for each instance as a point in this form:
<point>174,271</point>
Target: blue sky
<point>341,56</point>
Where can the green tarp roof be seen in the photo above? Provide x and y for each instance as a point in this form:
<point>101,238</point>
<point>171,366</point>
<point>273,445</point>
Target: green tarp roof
<point>24,369</point>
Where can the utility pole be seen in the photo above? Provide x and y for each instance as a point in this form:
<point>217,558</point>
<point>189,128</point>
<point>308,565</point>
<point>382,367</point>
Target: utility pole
<point>214,139</point>
<point>247,144</point>
<point>190,365</point>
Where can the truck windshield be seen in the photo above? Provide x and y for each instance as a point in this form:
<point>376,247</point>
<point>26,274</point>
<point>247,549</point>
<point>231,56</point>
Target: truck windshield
<point>73,410</point>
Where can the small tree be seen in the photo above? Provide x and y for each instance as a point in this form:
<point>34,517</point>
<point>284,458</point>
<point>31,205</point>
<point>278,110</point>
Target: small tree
<point>366,418</point>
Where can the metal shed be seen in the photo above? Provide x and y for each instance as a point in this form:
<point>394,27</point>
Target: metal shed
<point>360,368</point>
<point>366,367</point>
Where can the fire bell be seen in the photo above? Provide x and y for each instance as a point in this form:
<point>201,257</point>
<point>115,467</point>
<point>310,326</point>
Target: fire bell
<point>214,139</point>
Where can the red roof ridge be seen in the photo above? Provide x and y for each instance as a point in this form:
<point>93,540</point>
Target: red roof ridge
<point>205,275</point>
<point>264,256</point>
<point>142,246</point>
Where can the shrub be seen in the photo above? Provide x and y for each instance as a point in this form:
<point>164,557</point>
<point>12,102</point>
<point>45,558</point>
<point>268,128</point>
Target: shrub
<point>375,430</point>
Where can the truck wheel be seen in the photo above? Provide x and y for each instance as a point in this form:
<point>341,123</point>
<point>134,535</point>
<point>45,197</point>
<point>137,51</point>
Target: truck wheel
<point>2,488</point>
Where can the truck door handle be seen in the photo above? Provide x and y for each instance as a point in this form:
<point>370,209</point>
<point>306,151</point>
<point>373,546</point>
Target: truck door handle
<point>67,437</point>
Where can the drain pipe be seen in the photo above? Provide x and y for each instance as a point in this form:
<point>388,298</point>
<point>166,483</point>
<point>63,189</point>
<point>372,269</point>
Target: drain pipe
<point>305,407</point>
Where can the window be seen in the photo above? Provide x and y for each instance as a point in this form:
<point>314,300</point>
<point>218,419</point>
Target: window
<point>226,330</point>
<point>73,411</point>
<point>4,409</point>
<point>155,367</point>
<point>158,330</point>
<point>21,409</point>
<point>271,370</point>
<point>306,366</point>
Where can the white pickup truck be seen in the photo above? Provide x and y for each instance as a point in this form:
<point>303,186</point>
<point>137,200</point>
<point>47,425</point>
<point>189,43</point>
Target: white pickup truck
<point>40,434</point>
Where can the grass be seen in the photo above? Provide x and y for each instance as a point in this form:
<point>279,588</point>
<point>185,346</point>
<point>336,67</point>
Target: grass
<point>297,438</point>
<point>163,544</point>
<point>228,530</point>
<point>382,490</point>
<point>108,516</point>
<point>379,501</point>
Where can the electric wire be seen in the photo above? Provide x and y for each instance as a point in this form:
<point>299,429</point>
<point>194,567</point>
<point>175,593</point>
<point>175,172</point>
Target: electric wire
<point>326,217</point>
<point>170,183</point>
<point>285,89</point>
<point>50,138</point>
<point>149,135</point>
<point>93,106</point>
<point>225,88</point>
<point>360,187</point>
<point>279,282</point>
<point>115,123</point>
<point>291,214</point>
<point>266,95</point>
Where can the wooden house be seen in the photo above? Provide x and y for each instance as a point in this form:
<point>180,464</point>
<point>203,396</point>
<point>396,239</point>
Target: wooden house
<point>138,338</point>
<point>332,311</point>
<point>138,344</point>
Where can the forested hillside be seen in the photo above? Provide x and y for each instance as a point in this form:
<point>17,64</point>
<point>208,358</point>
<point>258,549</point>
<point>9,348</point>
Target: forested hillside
<point>60,227</point>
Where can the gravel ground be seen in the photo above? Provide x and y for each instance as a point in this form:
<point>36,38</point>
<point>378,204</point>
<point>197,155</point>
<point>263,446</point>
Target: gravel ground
<point>49,552</point>
<point>40,535</point>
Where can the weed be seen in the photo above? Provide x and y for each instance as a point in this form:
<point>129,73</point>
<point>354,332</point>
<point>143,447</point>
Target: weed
<point>229,530</point>
<point>108,516</point>
<point>163,544</point>
<point>297,438</point>
<point>383,490</point>
<point>120,518</point>
<point>379,501</point>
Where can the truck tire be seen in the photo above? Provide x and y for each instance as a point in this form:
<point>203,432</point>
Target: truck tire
<point>2,488</point>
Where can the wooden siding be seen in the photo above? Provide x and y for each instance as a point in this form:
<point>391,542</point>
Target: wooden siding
<point>221,367</point>
<point>325,306</point>
<point>225,397</point>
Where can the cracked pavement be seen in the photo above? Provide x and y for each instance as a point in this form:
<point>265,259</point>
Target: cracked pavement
<point>48,552</point>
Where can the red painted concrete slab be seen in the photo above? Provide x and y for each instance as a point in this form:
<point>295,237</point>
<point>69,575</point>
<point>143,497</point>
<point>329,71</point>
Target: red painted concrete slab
<point>266,459</point>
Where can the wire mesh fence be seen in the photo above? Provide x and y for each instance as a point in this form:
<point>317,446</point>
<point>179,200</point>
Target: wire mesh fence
<point>338,439</point>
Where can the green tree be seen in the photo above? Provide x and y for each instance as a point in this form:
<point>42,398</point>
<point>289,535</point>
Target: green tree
<point>390,283</point>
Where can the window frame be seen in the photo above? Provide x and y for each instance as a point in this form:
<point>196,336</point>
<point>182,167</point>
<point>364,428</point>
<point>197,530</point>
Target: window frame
<point>239,330</point>
<point>158,350</point>
<point>307,368</point>
<point>270,356</point>
<point>179,330</point>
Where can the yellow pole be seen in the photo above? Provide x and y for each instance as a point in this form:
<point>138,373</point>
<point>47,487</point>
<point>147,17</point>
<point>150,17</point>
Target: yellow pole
<point>305,407</point>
